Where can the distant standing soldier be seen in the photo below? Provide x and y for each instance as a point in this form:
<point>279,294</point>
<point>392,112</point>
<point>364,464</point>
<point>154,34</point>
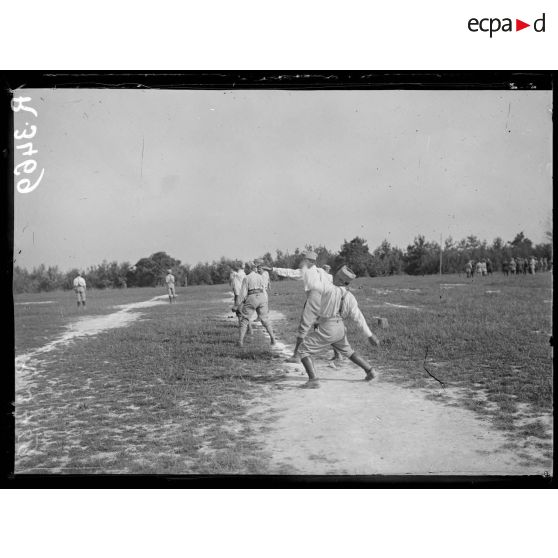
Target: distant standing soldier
<point>525,266</point>
<point>169,279</point>
<point>478,268</point>
<point>336,305</point>
<point>513,266</point>
<point>506,267</point>
<point>469,269</point>
<point>489,268</point>
<point>483,268</point>
<point>253,301</point>
<point>545,264</point>
<point>532,265</point>
<point>80,288</point>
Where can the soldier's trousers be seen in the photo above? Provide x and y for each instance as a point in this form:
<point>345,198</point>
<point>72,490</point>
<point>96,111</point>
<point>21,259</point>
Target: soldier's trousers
<point>255,304</point>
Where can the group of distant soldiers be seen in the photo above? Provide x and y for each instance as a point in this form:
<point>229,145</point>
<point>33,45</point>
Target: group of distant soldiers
<point>531,265</point>
<point>481,268</point>
<point>513,266</point>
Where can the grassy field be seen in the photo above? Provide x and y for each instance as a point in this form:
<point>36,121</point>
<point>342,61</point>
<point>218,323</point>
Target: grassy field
<point>171,392</point>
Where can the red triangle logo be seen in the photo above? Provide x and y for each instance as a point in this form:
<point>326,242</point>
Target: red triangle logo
<point>519,25</point>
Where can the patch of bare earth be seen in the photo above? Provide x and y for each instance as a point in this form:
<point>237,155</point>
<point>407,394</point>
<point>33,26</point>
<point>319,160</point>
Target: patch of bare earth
<point>51,415</point>
<point>344,425</point>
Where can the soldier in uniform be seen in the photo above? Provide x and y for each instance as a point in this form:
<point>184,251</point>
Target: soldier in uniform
<point>313,280</point>
<point>253,300</point>
<point>80,288</point>
<point>336,305</point>
<point>513,266</point>
<point>265,275</point>
<point>169,279</point>
<point>235,282</point>
<point>469,269</point>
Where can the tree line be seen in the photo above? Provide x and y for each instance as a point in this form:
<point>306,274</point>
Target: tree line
<point>422,257</point>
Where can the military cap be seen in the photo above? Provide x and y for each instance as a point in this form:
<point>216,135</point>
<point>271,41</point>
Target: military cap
<point>345,275</point>
<point>310,255</point>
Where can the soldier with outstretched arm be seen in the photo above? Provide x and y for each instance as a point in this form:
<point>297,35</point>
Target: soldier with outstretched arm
<point>314,282</point>
<point>337,304</point>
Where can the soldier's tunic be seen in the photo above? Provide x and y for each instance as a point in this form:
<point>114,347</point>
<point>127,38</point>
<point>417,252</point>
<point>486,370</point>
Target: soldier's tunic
<point>314,283</point>
<point>79,287</point>
<point>253,300</point>
<point>337,304</point>
<point>265,276</point>
<point>170,284</point>
<point>235,282</point>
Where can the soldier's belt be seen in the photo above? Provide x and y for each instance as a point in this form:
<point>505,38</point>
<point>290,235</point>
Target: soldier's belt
<point>254,291</point>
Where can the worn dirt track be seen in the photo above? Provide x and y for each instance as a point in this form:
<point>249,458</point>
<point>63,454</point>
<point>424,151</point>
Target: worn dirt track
<point>344,425</point>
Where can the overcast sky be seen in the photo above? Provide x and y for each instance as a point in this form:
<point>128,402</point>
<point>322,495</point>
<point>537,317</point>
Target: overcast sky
<point>205,174</point>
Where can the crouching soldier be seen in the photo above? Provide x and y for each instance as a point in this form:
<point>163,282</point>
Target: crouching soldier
<point>337,304</point>
<point>253,300</point>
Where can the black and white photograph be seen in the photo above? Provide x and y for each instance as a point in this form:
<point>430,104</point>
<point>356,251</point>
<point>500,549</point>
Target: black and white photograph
<point>287,275</point>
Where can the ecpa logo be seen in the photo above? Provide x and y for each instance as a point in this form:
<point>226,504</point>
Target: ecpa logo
<point>492,25</point>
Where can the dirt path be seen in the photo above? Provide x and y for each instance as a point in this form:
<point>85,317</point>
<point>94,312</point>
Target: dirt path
<point>29,364</point>
<point>348,426</point>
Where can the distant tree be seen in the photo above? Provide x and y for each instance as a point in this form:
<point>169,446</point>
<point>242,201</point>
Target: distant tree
<point>21,280</point>
<point>422,257</point>
<point>151,271</point>
<point>182,275</point>
<point>386,260</point>
<point>356,255</point>
<point>521,245</point>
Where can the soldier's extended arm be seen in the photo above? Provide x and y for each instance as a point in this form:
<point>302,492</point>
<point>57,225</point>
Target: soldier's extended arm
<point>286,272</point>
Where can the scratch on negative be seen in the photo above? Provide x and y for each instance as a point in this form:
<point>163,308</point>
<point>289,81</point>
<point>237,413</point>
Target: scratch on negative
<point>142,146</point>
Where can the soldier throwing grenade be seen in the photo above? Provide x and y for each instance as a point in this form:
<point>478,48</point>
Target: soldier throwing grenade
<point>337,304</point>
